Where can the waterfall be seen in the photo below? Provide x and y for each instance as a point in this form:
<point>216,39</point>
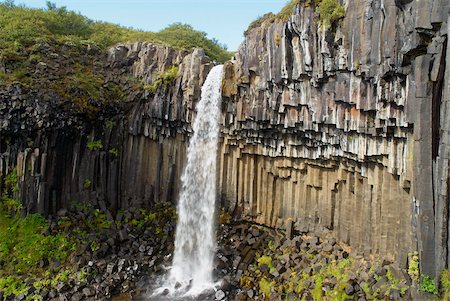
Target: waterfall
<point>195,239</point>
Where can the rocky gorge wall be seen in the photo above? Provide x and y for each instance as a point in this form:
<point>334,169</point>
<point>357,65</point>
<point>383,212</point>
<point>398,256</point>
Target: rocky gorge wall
<point>342,130</point>
<point>131,156</point>
<point>345,129</point>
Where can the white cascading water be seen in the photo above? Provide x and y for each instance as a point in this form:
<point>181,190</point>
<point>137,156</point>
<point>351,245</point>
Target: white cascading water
<point>195,240</point>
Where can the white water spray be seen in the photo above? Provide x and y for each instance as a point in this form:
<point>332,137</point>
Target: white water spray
<point>194,240</point>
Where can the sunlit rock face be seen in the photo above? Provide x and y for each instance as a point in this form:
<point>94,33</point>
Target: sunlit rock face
<point>341,129</point>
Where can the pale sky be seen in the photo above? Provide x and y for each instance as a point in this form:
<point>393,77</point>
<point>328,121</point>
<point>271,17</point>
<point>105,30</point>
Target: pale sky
<point>224,20</point>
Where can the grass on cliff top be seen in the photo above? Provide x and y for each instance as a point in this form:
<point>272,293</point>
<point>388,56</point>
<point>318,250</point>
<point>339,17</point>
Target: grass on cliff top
<point>329,11</point>
<point>20,25</point>
<point>283,15</point>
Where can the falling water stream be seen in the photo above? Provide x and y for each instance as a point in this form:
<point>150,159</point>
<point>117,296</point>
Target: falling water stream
<point>192,267</point>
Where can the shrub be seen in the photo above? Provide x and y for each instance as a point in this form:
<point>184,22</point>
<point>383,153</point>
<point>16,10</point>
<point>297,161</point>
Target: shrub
<point>169,75</point>
<point>11,286</point>
<point>20,26</point>
<point>9,206</point>
<point>99,221</point>
<point>266,260</point>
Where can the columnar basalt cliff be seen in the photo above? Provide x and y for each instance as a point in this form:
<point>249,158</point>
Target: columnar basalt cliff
<point>125,153</point>
<point>345,128</point>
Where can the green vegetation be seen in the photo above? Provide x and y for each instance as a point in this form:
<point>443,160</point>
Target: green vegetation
<point>9,207</point>
<point>445,285</point>
<point>72,75</point>
<point>114,152</point>
<point>11,182</point>
<point>56,52</point>
<point>283,15</point>
<point>300,286</point>
<point>428,285</point>
<point>413,266</point>
<point>109,123</point>
<point>164,79</point>
<point>224,216</point>
<point>329,12</point>
<point>184,36</point>
<point>98,221</point>
<point>286,11</point>
<point>155,218</point>
<point>87,184</point>
<point>328,280</point>
<point>21,26</point>
<point>94,145</point>
<point>83,85</point>
<point>23,243</point>
<point>266,260</point>
<point>35,256</point>
<point>265,287</point>
<point>271,246</point>
<point>24,248</point>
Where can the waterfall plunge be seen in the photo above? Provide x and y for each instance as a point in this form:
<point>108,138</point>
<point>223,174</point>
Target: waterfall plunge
<point>194,239</point>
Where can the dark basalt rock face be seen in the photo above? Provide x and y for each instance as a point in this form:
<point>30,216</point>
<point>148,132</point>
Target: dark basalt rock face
<point>141,137</point>
<point>341,130</point>
<point>344,129</point>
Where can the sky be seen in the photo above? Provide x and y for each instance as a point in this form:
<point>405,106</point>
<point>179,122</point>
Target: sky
<point>224,20</point>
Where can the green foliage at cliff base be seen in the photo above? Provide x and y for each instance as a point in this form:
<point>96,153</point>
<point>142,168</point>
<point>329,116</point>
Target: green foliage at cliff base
<point>34,254</point>
<point>25,245</point>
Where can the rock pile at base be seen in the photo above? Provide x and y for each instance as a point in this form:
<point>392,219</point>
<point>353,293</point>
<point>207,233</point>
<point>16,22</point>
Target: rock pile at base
<point>259,263</point>
<point>115,255</point>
